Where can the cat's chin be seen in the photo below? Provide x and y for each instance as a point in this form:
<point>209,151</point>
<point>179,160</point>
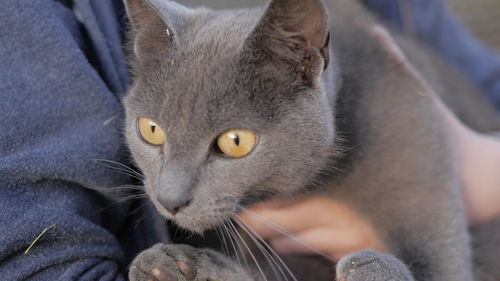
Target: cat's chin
<point>195,228</point>
<point>200,224</point>
<point>199,221</point>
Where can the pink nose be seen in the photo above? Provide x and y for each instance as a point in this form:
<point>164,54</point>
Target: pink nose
<point>172,205</point>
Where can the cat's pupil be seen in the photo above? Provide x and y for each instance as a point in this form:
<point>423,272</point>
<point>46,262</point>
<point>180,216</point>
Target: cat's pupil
<point>153,128</point>
<point>236,139</point>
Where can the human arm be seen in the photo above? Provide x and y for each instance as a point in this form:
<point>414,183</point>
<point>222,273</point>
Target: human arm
<point>58,114</point>
<point>77,247</point>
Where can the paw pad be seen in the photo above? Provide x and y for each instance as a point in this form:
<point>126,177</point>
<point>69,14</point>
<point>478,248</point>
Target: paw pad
<point>186,269</point>
<point>162,274</point>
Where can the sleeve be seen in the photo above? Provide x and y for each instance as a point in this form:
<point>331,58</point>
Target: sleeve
<point>435,25</point>
<point>74,246</point>
<point>57,115</point>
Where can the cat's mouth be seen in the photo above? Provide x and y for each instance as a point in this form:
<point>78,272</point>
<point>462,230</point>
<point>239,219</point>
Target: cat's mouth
<point>199,217</point>
<point>203,213</point>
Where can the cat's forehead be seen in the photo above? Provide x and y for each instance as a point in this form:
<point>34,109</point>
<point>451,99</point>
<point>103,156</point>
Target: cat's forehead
<point>200,93</point>
<point>205,91</point>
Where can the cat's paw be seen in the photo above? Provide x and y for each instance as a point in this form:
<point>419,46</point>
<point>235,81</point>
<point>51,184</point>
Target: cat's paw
<point>184,263</point>
<point>372,265</point>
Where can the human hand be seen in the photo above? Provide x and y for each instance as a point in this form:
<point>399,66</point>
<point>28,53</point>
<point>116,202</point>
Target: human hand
<point>479,162</point>
<point>478,159</point>
<point>317,223</point>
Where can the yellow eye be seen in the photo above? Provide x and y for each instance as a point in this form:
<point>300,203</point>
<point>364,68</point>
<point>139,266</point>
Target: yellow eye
<point>236,143</point>
<point>151,132</point>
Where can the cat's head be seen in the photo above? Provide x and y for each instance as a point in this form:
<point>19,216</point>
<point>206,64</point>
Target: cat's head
<point>227,107</point>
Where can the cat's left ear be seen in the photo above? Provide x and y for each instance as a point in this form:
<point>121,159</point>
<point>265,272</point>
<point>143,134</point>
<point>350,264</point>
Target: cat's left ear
<point>294,32</point>
<point>151,28</point>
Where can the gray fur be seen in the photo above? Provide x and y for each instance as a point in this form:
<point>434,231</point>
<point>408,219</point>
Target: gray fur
<point>214,85</point>
<point>371,265</point>
<point>198,265</point>
<point>365,131</point>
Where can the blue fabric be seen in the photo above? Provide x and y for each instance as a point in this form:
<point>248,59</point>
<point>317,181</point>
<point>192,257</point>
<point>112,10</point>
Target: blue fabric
<point>436,26</point>
<point>62,74</point>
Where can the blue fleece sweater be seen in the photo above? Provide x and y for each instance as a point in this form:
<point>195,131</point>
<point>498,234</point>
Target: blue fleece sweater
<point>62,74</point>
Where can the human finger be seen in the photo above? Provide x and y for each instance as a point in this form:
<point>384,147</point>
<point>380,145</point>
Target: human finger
<point>325,241</point>
<point>281,219</point>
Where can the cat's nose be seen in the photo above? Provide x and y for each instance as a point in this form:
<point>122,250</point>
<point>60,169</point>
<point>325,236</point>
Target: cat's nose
<point>175,187</point>
<point>173,205</point>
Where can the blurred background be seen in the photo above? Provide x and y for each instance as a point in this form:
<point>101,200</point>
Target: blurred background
<point>482,17</point>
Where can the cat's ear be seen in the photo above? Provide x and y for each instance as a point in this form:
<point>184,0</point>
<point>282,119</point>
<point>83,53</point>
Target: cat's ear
<point>151,29</point>
<point>295,33</point>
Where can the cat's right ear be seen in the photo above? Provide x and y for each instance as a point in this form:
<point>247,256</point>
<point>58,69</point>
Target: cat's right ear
<point>151,29</point>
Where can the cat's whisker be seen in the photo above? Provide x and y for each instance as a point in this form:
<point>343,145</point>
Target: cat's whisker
<point>269,254</point>
<point>136,211</point>
<point>124,187</point>
<point>226,231</point>
<point>123,199</point>
<point>242,253</point>
<point>222,239</point>
<point>271,250</point>
<point>118,164</point>
<point>139,221</point>
<point>249,251</point>
<point>237,250</point>
<point>133,197</point>
<point>121,165</point>
<point>281,230</point>
<point>124,172</point>
<point>118,189</point>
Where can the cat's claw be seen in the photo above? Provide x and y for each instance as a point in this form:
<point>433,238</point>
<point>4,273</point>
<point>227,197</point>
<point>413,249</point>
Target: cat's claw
<point>184,263</point>
<point>372,265</point>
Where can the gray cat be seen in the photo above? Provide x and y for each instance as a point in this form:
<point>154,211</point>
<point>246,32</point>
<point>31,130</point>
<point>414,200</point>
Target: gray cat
<point>234,107</point>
